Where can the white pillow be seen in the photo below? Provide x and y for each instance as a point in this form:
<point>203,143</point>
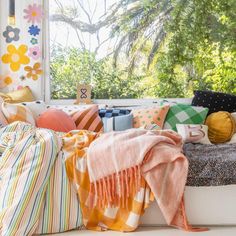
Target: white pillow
<point>17,112</point>
<point>37,107</point>
<point>233,139</point>
<point>71,109</point>
<point>193,133</point>
<point>234,116</point>
<point>3,121</point>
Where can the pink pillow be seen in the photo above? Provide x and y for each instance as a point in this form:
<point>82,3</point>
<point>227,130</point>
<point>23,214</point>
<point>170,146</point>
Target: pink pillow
<point>149,116</point>
<point>56,120</point>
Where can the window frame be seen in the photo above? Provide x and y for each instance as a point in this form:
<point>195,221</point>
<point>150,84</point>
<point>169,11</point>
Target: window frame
<point>109,102</point>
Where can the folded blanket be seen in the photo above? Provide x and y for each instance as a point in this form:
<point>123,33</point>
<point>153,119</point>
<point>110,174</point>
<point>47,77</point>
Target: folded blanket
<point>116,162</point>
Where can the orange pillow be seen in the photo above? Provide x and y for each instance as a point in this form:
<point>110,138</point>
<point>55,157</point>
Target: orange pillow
<point>56,120</point>
<point>88,119</point>
<point>149,116</point>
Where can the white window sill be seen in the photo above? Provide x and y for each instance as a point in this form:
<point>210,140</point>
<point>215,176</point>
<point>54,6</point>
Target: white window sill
<point>122,102</point>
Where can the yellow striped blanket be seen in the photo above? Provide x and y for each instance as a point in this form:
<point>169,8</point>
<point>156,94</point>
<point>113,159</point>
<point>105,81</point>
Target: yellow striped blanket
<point>35,194</point>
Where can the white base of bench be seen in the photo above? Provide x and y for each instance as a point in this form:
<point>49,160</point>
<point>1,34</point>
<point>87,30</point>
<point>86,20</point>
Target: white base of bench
<point>204,206</point>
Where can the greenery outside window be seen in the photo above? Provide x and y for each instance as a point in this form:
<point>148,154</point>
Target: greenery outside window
<point>136,49</point>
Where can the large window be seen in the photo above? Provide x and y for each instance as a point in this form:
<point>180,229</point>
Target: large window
<point>141,48</point>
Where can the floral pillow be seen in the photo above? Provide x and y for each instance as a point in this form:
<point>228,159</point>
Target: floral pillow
<point>149,116</point>
<point>193,133</point>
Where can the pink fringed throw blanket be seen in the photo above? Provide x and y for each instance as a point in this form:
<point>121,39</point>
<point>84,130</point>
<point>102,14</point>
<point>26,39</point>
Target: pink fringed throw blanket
<point>118,160</point>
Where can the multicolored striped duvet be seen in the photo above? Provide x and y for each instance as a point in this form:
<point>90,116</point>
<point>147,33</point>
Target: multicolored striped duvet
<point>35,195</point>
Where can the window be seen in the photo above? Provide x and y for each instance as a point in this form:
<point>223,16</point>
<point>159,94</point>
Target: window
<point>139,49</point>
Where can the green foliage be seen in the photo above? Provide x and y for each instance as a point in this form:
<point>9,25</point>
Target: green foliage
<point>71,66</point>
<point>202,41</point>
<point>174,47</point>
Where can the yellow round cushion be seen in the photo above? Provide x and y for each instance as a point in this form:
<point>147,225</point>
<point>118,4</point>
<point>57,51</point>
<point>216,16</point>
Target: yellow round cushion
<point>221,127</point>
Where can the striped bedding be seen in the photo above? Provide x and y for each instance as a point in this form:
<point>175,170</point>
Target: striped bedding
<point>35,195</point>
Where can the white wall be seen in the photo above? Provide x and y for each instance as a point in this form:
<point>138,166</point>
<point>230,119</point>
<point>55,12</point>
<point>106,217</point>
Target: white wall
<point>25,38</point>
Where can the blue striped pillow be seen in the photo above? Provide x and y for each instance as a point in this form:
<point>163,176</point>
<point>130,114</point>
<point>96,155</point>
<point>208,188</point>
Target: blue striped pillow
<point>117,123</point>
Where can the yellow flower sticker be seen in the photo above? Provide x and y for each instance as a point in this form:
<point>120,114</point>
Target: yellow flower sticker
<point>5,81</point>
<point>16,57</point>
<point>8,80</point>
<point>33,72</point>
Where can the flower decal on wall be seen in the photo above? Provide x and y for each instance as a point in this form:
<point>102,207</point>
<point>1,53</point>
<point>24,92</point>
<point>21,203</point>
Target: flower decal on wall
<point>34,72</point>
<point>34,13</point>
<point>35,52</point>
<point>5,81</point>
<point>11,34</point>
<point>34,30</point>
<point>16,57</point>
<point>34,41</point>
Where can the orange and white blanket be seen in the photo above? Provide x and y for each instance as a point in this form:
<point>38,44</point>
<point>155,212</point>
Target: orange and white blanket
<point>115,172</point>
<point>75,145</point>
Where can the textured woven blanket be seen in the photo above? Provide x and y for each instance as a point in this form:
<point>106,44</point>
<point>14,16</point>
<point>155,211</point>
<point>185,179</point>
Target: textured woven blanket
<point>118,160</point>
<point>211,165</point>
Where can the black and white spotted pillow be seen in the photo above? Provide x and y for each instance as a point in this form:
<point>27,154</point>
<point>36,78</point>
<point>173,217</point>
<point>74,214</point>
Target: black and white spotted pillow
<point>215,101</point>
<point>37,107</point>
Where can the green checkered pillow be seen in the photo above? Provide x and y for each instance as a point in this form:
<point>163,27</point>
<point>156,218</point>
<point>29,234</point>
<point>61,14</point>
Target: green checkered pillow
<point>184,114</point>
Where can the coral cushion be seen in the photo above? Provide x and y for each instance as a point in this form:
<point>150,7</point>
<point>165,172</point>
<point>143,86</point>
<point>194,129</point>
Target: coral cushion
<point>56,120</point>
<point>221,127</point>
<point>149,116</point>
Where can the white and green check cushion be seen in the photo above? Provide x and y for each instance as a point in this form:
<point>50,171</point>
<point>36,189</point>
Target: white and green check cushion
<point>184,114</point>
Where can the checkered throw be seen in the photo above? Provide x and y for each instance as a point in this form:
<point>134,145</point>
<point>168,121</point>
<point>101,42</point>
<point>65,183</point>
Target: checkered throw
<point>184,114</point>
<point>100,218</point>
<point>108,113</point>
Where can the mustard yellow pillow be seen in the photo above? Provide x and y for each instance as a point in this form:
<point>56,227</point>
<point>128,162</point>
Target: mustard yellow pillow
<point>221,127</point>
<point>18,96</point>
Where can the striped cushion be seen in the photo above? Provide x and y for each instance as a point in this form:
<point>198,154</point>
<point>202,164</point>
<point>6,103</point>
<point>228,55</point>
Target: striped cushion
<point>118,123</point>
<point>17,112</point>
<point>88,119</point>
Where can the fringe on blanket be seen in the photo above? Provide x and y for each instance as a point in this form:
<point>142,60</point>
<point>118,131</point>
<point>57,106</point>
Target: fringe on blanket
<point>116,189</point>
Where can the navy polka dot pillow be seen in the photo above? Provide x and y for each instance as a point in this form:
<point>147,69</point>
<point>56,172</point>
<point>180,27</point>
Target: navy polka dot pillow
<point>215,101</point>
